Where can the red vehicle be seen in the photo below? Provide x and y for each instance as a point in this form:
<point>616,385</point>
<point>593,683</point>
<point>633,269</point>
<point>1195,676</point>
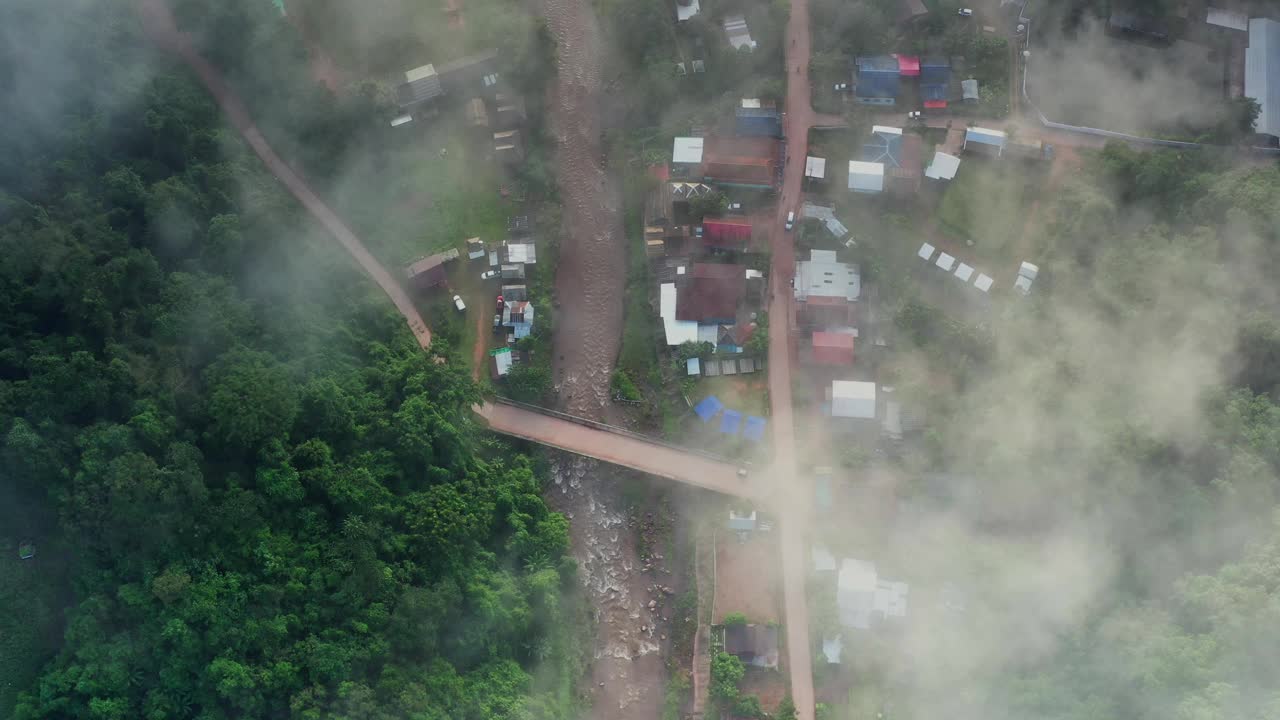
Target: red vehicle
<point>500,303</point>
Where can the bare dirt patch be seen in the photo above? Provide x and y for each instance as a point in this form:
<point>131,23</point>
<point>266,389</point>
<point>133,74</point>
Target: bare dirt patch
<point>747,577</point>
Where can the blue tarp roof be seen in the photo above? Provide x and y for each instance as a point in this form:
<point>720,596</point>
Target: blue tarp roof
<point>754,429</point>
<point>883,148</point>
<point>730,421</point>
<point>709,406</point>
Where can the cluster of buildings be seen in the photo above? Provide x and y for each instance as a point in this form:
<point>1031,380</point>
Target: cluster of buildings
<point>492,110</point>
<point>883,80</point>
<point>864,600</point>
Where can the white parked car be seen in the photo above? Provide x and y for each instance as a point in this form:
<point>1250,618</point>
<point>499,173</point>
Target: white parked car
<point>791,220</point>
<point>965,12</point>
<point>488,274</point>
<point>915,115</point>
<point>457,302</point>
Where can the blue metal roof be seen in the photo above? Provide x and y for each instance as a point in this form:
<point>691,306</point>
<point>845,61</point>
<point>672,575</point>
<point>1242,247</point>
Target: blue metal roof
<point>708,408</point>
<point>935,75</point>
<point>878,64</point>
<point>933,92</point>
<point>754,429</point>
<point>759,125</point>
<point>878,85</point>
<point>730,421</point>
<point>883,148</point>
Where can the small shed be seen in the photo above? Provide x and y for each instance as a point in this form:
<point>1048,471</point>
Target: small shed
<point>964,272</point>
<point>926,252</point>
<point>969,90</point>
<point>983,282</point>
<point>815,167</point>
<point>985,140</point>
<point>693,366</point>
<point>741,521</point>
<point>945,262</point>
<point>501,361</point>
<point>687,150</point>
<point>943,167</point>
<point>475,249</point>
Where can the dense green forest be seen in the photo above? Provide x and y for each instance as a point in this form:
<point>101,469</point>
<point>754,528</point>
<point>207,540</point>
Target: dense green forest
<point>250,493</point>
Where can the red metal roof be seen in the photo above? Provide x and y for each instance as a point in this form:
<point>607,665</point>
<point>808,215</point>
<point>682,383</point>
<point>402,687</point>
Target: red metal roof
<point>909,65</point>
<point>932,104</point>
<point>711,293</point>
<point>832,348</point>
<point>727,234</point>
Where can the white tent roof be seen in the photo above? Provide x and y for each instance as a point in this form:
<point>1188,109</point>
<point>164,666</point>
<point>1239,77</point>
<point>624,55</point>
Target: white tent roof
<point>1262,73</point>
<point>1029,270</point>
<point>678,331</point>
<point>964,272</point>
<point>943,167</point>
<point>886,130</point>
<point>687,150</point>
<point>815,167</point>
<point>983,282</point>
<point>866,176</point>
<point>926,251</point>
<point>946,262</point>
<point>853,399</point>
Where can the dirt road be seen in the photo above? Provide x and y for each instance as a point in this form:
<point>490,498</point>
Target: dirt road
<point>800,118</point>
<point>158,22</point>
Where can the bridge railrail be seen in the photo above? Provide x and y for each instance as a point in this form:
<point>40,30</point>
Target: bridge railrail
<point>614,429</point>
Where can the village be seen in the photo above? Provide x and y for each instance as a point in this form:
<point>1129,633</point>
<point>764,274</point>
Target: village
<point>922,180</point>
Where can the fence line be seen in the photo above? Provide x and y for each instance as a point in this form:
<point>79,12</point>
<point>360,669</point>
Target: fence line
<point>1099,132</point>
<point>614,429</point>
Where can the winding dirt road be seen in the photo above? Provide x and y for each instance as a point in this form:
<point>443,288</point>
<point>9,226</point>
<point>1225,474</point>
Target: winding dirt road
<point>159,25</point>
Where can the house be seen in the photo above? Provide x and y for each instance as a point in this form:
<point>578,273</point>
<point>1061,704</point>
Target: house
<point>502,361</point>
<point>753,644</point>
<point>1227,19</point>
<point>735,26</point>
<point>935,82</point>
<point>853,399</point>
<point>515,293</point>
<point>865,177</point>
<point>876,81</point>
<point>743,522</point>
<point>943,167</point>
<point>827,216</point>
<point>815,167</point>
<point>429,271</point>
<point>686,9</point>
<point>747,162</point>
<point>898,154</point>
<point>908,66</point>
<point>711,293</point>
<point>1140,27</point>
<point>475,249</point>
<point>687,151</point>
<point>518,315</point>
<point>969,90</point>
<point>725,234</point>
<point>827,290</point>
<point>677,331</point>
<point>863,599</point>
<point>421,85</point>
<point>755,118</point>
<point>984,140</point>
<point>512,271</point>
<point>524,253</point>
<point>833,348</point>
<point>1262,74</point>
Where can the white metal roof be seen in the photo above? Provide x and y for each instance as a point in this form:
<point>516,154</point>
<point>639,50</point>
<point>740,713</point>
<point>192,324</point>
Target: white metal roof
<point>1029,271</point>
<point>502,361</point>
<point>866,176</point>
<point>751,102</point>
<point>401,120</point>
<point>684,12</point>
<point>926,251</point>
<point>1227,19</point>
<point>943,167</point>
<point>853,399</point>
<point>687,150</point>
<point>1023,284</point>
<point>735,26</point>
<point>983,282</point>
<point>964,272</point>
<point>419,73</point>
<point>815,167</point>
<point>986,136</point>
<point>885,129</point>
<point>678,331</point>
<point>946,262</point>
<point>1262,73</point>
<point>693,366</point>
<point>969,89</point>
<point>822,275</point>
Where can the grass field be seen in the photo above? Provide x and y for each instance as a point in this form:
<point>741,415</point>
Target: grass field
<point>987,203</point>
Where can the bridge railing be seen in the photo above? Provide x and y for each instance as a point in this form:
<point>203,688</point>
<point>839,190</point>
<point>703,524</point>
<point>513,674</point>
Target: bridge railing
<point>614,429</point>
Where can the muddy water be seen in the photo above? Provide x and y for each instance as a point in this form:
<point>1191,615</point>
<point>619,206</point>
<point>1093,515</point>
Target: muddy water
<point>592,271</point>
<point>627,674</point>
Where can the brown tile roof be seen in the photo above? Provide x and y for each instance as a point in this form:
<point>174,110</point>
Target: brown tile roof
<point>711,292</point>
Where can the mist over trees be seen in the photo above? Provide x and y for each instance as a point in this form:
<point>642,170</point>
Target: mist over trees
<point>251,490</point>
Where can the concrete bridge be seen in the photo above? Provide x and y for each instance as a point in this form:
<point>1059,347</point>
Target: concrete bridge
<point>619,446</point>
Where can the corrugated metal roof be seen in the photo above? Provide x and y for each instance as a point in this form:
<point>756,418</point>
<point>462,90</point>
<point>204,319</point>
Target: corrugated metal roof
<point>815,167</point>
<point>824,276</point>
<point>853,399</point>
<point>1227,19</point>
<point>943,167</point>
<point>969,89</point>
<point>866,176</point>
<point>1262,73</point>
<point>687,150</point>
<point>678,332</point>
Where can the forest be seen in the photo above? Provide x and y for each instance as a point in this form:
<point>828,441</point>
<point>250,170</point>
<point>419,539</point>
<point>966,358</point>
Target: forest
<point>250,494</point>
